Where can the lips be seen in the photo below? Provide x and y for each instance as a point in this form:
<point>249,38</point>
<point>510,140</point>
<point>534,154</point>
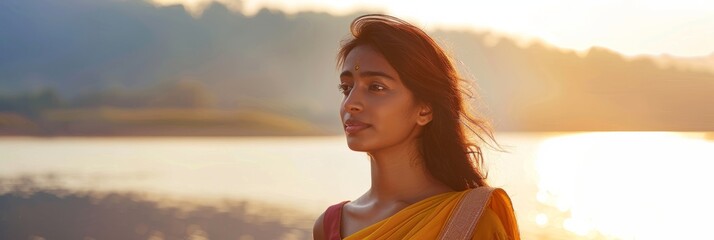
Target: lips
<point>354,126</point>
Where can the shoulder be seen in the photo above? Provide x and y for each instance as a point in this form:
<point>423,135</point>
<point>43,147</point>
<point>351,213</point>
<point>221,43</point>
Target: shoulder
<point>318,230</point>
<point>498,220</point>
<point>489,226</point>
<point>327,225</point>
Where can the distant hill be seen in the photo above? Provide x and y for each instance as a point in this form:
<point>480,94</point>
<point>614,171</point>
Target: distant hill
<point>285,65</point>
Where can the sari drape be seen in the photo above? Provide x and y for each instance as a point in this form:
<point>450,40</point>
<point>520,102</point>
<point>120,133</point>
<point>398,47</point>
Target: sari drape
<point>426,219</point>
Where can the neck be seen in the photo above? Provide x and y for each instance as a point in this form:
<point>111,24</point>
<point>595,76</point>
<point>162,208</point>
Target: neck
<point>398,174</point>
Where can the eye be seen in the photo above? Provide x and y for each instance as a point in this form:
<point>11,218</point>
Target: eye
<point>378,88</point>
<point>344,88</point>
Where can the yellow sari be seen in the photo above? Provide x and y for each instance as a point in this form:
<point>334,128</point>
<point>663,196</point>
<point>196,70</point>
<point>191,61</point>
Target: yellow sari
<point>425,219</point>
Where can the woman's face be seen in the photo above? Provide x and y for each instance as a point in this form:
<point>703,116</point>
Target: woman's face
<point>377,110</point>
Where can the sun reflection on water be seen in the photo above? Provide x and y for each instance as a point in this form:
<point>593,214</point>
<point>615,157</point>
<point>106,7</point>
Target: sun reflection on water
<point>626,185</point>
<point>607,185</point>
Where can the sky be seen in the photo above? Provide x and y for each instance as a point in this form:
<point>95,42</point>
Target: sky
<point>682,28</point>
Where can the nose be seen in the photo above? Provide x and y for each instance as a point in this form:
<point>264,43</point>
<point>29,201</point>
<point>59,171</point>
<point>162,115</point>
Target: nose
<point>353,102</point>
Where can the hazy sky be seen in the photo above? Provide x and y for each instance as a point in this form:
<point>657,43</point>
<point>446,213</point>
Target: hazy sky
<point>633,27</point>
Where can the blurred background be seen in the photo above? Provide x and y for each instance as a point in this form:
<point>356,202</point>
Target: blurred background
<point>218,119</point>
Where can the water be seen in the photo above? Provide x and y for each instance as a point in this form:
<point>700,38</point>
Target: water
<point>622,185</point>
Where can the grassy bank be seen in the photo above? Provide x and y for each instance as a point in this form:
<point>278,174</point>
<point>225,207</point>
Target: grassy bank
<point>155,122</point>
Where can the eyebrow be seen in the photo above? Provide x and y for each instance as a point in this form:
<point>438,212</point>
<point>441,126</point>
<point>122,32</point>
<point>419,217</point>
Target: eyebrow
<point>366,74</point>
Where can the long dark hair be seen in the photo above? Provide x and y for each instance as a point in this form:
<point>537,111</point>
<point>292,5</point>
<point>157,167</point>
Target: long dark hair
<point>427,71</point>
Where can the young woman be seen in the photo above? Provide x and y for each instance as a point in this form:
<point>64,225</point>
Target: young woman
<point>404,107</point>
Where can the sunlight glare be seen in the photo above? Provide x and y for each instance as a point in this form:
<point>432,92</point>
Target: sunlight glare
<point>629,184</point>
<point>541,219</point>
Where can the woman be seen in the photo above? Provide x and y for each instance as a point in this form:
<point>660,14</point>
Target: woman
<point>403,106</point>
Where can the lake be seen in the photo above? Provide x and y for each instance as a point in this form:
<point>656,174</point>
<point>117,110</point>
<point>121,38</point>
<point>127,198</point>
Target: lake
<point>590,185</point>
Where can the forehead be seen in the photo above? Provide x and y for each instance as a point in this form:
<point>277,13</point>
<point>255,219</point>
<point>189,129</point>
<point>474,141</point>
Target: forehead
<point>368,59</point>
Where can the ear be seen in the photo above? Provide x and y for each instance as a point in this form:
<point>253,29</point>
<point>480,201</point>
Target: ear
<point>425,115</point>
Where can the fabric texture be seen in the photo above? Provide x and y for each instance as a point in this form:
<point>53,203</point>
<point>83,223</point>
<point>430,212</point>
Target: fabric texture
<point>332,221</point>
<point>426,219</point>
<point>467,213</point>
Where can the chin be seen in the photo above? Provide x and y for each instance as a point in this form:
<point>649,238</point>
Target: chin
<point>357,145</point>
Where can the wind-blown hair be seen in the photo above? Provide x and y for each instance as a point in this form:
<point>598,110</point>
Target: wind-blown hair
<point>430,75</point>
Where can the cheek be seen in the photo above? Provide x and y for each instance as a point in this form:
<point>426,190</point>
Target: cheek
<point>396,115</point>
